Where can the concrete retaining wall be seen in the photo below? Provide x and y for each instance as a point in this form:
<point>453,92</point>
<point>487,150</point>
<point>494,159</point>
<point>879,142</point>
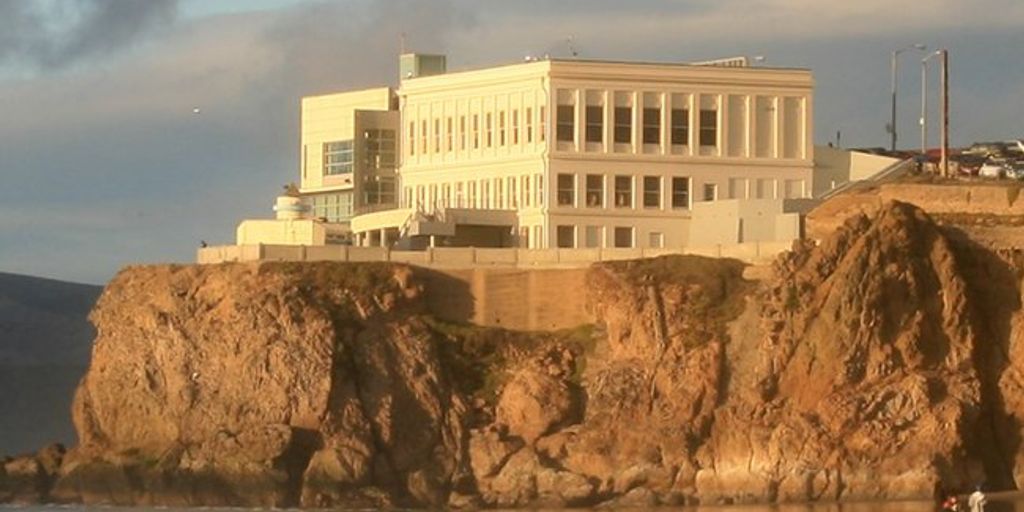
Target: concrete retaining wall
<point>532,300</point>
<point>468,257</point>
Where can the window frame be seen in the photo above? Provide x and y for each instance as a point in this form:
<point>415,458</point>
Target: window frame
<point>708,130</point>
<point>649,194</point>
<point>680,132</point>
<point>651,129</point>
<point>592,192</point>
<point>619,193</point>
<point>565,128</point>
<point>565,196</point>
<point>621,127</point>
<point>594,124</point>
<point>676,194</point>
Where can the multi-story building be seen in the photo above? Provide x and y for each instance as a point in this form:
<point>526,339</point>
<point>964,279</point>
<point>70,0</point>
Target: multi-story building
<point>554,153</point>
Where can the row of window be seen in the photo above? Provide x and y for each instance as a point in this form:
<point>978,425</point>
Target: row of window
<point>622,191</point>
<point>481,130</point>
<point>510,192</point>
<point>378,152</point>
<point>593,237</point>
<point>650,123</point>
<point>332,207</point>
<point>527,191</point>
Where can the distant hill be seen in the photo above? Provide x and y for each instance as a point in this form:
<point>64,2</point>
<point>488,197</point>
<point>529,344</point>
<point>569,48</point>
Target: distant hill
<point>45,342</point>
<point>44,321</point>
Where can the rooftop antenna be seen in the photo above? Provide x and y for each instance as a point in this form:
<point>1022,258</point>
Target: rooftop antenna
<point>572,48</point>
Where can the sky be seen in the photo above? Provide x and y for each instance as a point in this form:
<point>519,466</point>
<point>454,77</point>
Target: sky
<point>105,164</point>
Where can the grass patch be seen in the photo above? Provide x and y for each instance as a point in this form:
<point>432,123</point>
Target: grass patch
<point>715,291</point>
<point>481,359</point>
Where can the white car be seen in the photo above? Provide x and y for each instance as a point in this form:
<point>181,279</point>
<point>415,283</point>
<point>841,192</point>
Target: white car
<point>992,170</point>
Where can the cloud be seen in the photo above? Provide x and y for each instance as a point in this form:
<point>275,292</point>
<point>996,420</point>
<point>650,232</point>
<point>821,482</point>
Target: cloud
<point>57,33</point>
<point>104,163</point>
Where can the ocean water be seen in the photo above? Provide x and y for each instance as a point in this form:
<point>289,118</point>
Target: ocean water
<point>997,502</point>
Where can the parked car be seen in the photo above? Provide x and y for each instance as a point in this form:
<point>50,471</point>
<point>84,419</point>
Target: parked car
<point>969,164</point>
<point>992,169</point>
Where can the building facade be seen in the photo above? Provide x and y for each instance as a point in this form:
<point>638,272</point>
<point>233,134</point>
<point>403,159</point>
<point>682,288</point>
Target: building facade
<point>554,153</point>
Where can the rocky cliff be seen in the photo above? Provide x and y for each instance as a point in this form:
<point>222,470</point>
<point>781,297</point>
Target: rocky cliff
<point>884,363</point>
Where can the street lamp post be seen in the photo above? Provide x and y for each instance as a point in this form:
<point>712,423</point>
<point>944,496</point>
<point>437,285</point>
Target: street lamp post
<point>924,99</point>
<point>892,121</point>
<point>944,54</point>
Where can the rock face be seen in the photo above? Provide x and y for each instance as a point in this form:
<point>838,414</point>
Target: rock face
<point>266,385</point>
<point>885,363</point>
<point>864,386</point>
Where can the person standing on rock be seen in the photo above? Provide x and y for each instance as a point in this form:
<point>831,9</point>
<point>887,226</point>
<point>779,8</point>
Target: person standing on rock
<point>976,501</point>
<point>951,504</point>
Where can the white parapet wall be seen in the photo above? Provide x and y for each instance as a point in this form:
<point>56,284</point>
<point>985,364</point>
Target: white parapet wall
<point>739,221</point>
<point>468,257</point>
<point>281,232</point>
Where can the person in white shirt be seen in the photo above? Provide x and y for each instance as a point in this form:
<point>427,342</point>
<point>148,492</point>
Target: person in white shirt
<point>976,501</point>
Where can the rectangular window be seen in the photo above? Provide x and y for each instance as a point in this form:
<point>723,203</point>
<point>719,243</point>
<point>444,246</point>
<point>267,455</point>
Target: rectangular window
<point>595,123</point>
<point>423,137</point>
<point>379,148</point>
<point>593,237</point>
<point>489,127</point>
<point>680,192</point>
<point>513,198</point>
<point>515,127</point>
<point>623,191</point>
<point>527,192</point>
<point>412,138</point>
<point>540,191</point>
<point>463,134</point>
<point>566,236</point>
<point>652,126</point>
<point>623,237</point>
<point>708,127</point>
<point>595,191</point>
<point>543,133</point>
<point>656,240</point>
<point>450,135</point>
<point>652,192</point>
<point>501,128</point>
<point>623,125</point>
<point>331,207</point>
<point>485,194</point>
<point>710,191</point>
<point>437,135</point>
<point>338,157</point>
<point>476,131</point>
<point>566,189</point>
<point>566,123</point>
<point>499,194</point>
<point>529,125</point>
<point>680,126</point>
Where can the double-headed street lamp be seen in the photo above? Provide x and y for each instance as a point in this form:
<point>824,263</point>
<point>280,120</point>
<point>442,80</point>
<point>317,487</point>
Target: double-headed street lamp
<point>892,121</point>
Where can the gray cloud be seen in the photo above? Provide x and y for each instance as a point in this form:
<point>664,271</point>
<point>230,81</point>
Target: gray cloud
<point>56,34</point>
<point>107,165</point>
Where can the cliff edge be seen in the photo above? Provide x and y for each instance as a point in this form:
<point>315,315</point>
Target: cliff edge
<point>884,363</point>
